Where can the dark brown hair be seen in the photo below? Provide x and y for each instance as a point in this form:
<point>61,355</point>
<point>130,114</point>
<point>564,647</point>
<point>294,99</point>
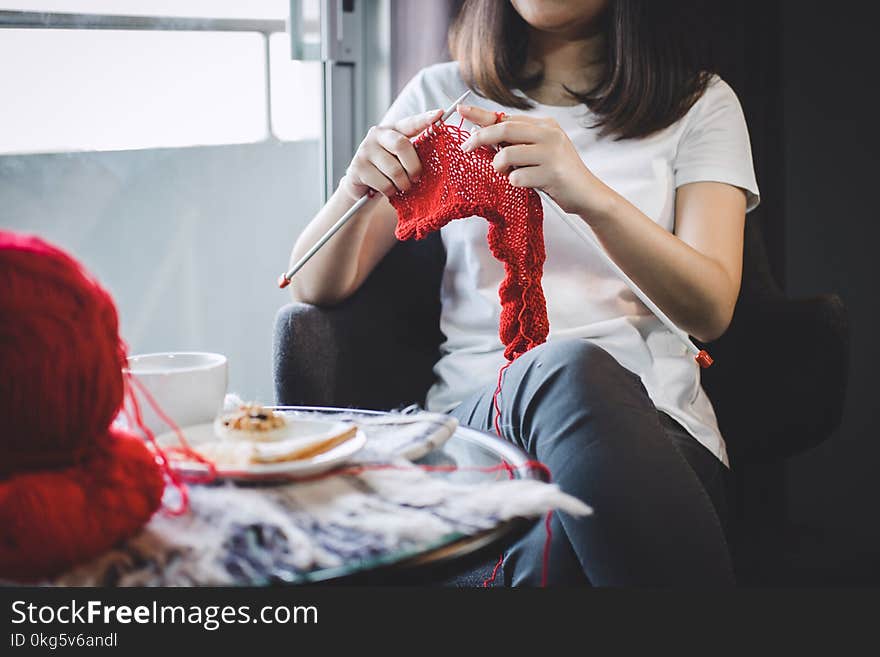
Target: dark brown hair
<point>657,61</point>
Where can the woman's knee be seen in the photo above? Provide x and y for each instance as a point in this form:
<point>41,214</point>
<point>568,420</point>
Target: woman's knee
<point>577,369</point>
<point>568,391</point>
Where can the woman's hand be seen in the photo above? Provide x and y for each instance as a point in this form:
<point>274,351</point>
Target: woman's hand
<point>386,160</point>
<point>537,153</point>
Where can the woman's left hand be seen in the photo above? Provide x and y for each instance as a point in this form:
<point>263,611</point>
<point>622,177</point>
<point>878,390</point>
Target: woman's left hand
<point>536,153</point>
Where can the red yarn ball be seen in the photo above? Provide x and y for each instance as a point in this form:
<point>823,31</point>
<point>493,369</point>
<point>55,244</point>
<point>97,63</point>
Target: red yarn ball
<point>70,485</point>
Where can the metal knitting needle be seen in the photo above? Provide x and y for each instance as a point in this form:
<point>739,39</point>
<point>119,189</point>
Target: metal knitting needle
<point>284,279</point>
<point>586,234</point>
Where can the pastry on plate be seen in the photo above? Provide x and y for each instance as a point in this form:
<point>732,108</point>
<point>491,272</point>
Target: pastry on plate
<point>251,422</point>
<point>244,453</point>
<point>254,434</point>
<point>298,449</point>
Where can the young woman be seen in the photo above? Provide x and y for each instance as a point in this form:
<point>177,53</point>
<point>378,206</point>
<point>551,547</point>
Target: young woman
<point>608,109</point>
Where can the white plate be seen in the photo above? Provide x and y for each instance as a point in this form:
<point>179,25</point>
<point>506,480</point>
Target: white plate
<point>298,428</point>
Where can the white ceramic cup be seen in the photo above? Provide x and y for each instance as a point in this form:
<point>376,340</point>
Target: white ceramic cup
<point>189,387</point>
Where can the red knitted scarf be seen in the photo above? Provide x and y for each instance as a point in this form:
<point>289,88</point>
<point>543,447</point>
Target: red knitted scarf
<point>455,185</point>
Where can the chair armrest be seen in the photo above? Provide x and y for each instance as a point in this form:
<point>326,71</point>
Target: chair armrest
<point>347,356</point>
<point>779,382</point>
<point>375,350</point>
<point>305,359</point>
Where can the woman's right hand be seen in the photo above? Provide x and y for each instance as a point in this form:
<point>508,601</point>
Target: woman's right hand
<point>386,160</point>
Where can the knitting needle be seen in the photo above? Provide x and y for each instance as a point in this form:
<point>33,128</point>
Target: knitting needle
<point>585,233</point>
<point>284,279</point>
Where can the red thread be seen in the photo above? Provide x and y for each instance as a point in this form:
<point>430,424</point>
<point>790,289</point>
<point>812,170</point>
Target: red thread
<point>511,471</point>
<point>545,558</point>
<point>491,579</point>
<point>185,449</point>
<point>504,466</point>
<point>496,406</point>
<point>188,453</point>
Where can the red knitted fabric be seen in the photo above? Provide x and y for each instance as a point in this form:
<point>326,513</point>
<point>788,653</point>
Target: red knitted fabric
<point>455,185</point>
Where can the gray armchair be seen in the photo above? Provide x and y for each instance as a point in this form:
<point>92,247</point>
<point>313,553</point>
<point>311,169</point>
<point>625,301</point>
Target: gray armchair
<point>376,349</point>
<point>777,385</point>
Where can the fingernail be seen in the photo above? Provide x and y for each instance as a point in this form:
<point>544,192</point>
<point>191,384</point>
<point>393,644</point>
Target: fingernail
<point>465,108</point>
<point>466,145</point>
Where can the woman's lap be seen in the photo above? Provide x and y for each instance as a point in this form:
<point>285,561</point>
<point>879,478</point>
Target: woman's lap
<point>573,407</point>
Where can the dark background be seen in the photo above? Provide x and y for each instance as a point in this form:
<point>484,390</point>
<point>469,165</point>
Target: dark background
<point>827,64</point>
<point>805,74</point>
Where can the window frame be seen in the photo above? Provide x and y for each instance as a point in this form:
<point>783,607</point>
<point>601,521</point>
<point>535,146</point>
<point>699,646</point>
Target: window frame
<point>349,103</point>
<point>15,19</point>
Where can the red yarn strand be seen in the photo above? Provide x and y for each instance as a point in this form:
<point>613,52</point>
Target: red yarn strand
<point>160,455</point>
<point>495,404</point>
<point>545,558</point>
<point>185,448</point>
<point>491,579</point>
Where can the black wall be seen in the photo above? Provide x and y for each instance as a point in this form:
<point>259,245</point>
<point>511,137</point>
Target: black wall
<point>805,74</point>
<point>830,141</point>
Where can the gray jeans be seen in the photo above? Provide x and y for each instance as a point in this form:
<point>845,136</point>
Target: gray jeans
<point>656,493</point>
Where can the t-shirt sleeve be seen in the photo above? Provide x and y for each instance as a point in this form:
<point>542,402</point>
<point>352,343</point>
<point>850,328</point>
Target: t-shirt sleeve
<point>715,144</point>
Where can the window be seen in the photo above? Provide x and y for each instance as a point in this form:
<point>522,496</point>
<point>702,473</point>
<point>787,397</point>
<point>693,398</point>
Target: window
<point>72,90</point>
<point>265,9</point>
<point>163,83</point>
<point>295,115</point>
<point>173,147</point>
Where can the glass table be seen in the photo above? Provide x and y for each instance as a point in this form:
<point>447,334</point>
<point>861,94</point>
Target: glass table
<point>468,450</point>
<point>254,552</point>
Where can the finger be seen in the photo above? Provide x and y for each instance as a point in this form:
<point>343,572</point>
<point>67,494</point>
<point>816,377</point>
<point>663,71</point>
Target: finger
<point>413,125</point>
<point>390,168</point>
<point>513,132</point>
<point>525,177</point>
<point>375,179</point>
<point>517,156</point>
<point>483,117</point>
<point>401,147</point>
<point>477,115</point>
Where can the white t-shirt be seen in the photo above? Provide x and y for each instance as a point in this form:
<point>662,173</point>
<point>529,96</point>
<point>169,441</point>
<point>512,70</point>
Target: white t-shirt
<point>584,297</point>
